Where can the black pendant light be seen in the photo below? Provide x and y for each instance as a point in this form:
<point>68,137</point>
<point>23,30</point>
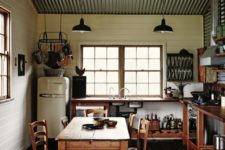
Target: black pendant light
<point>163,28</point>
<point>81,27</point>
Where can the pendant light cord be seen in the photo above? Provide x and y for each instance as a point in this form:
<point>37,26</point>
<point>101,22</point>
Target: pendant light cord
<point>81,7</point>
<point>60,27</point>
<point>45,33</point>
<point>163,10</point>
<point>45,21</point>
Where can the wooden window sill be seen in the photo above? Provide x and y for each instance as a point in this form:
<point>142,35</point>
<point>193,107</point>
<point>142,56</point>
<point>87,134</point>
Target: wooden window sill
<point>6,100</point>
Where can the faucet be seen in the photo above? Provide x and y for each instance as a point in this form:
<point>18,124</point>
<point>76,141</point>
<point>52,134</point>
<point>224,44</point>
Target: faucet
<point>124,95</point>
<point>111,91</point>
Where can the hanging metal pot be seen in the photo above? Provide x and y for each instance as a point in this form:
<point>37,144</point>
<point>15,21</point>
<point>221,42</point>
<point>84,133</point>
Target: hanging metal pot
<point>38,56</point>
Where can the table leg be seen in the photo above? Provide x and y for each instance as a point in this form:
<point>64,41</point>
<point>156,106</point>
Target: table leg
<point>123,145</point>
<point>61,145</point>
<point>200,125</point>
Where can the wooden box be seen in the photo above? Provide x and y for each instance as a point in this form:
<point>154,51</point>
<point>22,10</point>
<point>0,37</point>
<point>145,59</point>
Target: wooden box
<point>154,125</point>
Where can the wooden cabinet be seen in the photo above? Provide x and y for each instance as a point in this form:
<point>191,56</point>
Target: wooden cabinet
<point>205,74</point>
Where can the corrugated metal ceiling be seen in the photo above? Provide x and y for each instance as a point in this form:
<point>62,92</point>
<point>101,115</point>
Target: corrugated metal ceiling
<point>122,7</point>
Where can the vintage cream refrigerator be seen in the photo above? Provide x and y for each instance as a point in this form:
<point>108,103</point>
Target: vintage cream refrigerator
<point>52,101</point>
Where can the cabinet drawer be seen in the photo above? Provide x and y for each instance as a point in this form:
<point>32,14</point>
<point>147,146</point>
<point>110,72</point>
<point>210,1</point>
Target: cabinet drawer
<point>93,144</point>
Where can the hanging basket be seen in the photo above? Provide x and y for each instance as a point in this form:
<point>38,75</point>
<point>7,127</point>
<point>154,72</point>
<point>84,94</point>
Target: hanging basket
<point>49,72</point>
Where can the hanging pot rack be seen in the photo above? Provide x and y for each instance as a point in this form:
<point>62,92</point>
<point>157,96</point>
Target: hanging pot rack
<point>62,37</point>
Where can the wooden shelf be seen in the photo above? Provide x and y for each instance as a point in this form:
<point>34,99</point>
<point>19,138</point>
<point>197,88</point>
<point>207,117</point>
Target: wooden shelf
<point>166,134</point>
<point>162,134</point>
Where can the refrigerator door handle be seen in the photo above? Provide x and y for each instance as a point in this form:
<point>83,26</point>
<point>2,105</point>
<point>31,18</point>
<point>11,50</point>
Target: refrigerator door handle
<point>52,95</point>
<point>45,95</point>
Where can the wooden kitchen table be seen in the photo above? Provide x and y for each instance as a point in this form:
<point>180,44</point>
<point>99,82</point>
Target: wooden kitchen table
<point>74,137</point>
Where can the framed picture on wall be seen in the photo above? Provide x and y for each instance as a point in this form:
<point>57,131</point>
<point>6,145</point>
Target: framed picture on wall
<point>21,65</point>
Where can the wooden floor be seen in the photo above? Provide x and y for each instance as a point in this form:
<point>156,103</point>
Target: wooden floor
<point>152,145</point>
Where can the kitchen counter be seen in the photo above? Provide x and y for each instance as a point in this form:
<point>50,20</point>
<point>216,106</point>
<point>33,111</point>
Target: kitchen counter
<point>216,112</point>
<point>129,99</point>
<point>107,101</point>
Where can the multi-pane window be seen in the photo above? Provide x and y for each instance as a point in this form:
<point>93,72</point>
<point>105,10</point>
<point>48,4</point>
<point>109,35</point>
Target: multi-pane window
<point>143,70</point>
<point>109,68</point>
<point>4,54</point>
<point>102,66</point>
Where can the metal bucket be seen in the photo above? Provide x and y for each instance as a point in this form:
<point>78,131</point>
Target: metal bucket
<point>219,142</point>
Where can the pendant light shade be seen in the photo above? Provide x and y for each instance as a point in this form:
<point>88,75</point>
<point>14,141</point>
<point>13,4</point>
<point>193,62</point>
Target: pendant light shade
<point>163,27</point>
<point>81,27</point>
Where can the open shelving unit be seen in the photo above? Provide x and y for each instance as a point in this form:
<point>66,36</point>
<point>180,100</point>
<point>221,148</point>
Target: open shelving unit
<point>180,66</point>
<point>176,133</point>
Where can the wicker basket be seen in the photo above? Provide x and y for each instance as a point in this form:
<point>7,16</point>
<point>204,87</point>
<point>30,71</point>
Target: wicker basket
<point>49,72</point>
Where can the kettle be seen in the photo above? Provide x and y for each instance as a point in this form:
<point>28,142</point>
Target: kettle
<point>219,142</point>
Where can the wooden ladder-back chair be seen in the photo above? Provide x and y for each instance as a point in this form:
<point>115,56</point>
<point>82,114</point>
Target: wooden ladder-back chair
<point>131,123</point>
<point>96,112</point>
<point>39,134</point>
<point>143,133</point>
<point>64,121</point>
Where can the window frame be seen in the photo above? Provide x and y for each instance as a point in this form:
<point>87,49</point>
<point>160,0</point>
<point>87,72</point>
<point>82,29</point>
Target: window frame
<point>6,35</point>
<point>136,71</point>
<point>102,70</point>
<point>121,69</point>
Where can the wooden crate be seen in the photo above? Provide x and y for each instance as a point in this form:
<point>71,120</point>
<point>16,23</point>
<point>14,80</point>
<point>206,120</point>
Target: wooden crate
<point>154,125</point>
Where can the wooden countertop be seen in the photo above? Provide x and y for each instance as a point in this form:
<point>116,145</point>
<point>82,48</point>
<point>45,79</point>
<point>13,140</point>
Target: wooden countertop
<point>216,112</point>
<point>74,130</point>
<point>129,99</point>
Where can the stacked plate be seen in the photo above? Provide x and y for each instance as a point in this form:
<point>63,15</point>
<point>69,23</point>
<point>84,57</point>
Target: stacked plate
<point>221,77</point>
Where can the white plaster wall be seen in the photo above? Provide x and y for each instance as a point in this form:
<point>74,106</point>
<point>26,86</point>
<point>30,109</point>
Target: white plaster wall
<point>15,115</point>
